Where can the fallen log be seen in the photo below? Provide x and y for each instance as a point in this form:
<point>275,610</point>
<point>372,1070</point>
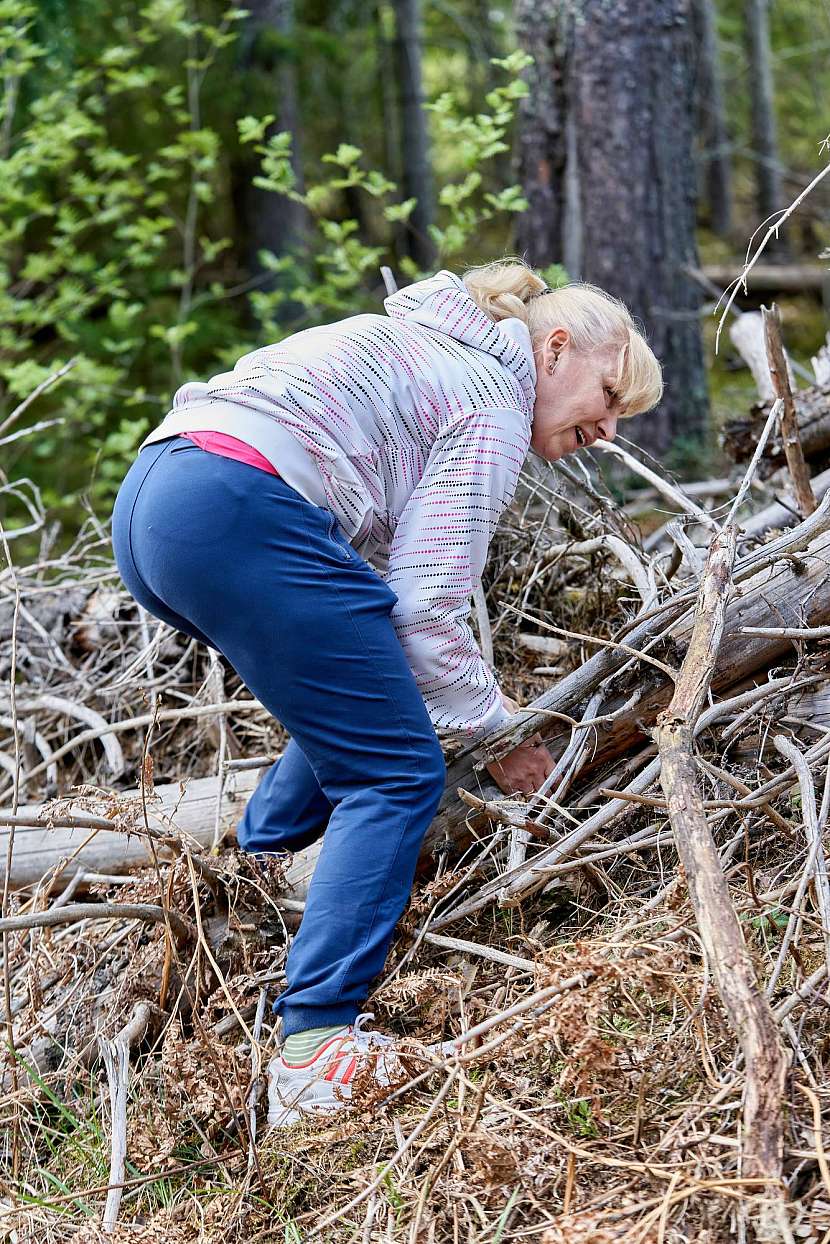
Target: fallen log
<point>188,809</point>
<point>812,407</point>
<point>771,277</point>
<point>184,810</point>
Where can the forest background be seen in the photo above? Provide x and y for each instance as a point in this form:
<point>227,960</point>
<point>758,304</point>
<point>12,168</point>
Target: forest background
<point>181,183</point>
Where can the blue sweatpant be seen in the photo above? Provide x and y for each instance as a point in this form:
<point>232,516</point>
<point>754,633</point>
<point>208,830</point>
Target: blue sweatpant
<point>241,561</point>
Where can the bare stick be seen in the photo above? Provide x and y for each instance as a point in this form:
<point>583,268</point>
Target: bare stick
<point>485,631</point>
<point>815,866</point>
<point>147,719</point>
<point>256,1069</point>
<point>670,491</point>
<point>484,952</point>
<point>788,632</point>
<point>804,495</point>
<point>747,1008</point>
<point>73,912</point>
<point>749,475</point>
<point>740,281</point>
<point>116,1057</point>
<point>35,393</point>
<point>642,575</point>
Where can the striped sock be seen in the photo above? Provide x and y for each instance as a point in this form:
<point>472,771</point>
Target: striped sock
<point>299,1047</point>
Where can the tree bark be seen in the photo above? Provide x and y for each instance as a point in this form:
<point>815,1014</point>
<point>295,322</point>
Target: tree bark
<point>544,34</point>
<point>768,189</point>
<point>417,170</point>
<point>611,181</point>
<point>716,173</point>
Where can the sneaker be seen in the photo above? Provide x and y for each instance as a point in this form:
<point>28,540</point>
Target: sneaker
<point>323,1084</point>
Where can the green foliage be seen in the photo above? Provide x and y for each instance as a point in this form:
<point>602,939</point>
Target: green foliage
<point>476,140</point>
<point>578,1114</point>
<point>331,276</point>
<point>117,245</point>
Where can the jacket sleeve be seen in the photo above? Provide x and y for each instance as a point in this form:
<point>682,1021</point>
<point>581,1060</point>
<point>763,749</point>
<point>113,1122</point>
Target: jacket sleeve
<point>436,560</point>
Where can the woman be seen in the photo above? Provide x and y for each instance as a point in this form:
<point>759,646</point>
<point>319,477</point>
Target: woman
<point>321,515</point>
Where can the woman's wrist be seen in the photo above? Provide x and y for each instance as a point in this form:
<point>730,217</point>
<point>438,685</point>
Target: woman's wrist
<point>512,706</point>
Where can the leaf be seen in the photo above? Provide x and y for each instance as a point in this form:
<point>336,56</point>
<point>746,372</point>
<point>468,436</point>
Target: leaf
<point>345,156</point>
<point>400,211</point>
<point>252,129</point>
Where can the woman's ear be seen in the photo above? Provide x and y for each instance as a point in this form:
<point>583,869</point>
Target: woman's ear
<point>556,340</point>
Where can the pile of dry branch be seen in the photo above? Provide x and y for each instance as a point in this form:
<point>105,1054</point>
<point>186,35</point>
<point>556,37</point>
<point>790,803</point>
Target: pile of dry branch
<point>637,955</point>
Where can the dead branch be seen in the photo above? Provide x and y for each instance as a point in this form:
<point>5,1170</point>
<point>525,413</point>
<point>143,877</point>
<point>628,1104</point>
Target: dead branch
<point>71,913</point>
<point>789,423</point>
<point>748,1010</point>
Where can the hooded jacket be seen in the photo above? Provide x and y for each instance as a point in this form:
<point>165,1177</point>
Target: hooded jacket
<point>412,429</point>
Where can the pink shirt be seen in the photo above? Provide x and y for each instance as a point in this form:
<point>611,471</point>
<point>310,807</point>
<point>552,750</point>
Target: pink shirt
<point>230,447</point>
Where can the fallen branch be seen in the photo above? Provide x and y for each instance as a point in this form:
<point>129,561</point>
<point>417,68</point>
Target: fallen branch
<point>747,1008</point>
<point>73,912</point>
<point>84,843</point>
<point>789,423</point>
<point>115,1054</point>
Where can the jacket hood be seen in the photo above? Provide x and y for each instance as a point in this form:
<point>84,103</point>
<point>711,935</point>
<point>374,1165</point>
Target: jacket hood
<point>442,303</point>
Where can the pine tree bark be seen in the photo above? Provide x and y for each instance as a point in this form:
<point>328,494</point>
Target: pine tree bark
<point>716,173</point>
<point>612,184</point>
<point>417,171</point>
<point>769,192</point>
<point>542,115</point>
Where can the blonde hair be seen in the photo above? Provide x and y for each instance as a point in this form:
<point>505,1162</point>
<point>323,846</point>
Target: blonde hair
<point>510,288</point>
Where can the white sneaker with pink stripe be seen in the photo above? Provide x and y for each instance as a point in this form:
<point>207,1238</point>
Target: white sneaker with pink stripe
<point>323,1083</point>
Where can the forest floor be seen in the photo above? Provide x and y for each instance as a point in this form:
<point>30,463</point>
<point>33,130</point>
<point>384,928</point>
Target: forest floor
<point>613,1116</point>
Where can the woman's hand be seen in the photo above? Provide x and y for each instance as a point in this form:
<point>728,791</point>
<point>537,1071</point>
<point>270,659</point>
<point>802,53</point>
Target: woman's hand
<point>523,770</point>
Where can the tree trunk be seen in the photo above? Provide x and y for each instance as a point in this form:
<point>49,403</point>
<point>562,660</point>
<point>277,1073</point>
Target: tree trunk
<point>417,172</point>
<point>611,183</point>
<point>633,111</point>
<point>541,140</point>
<point>716,174</point>
<point>769,193</point>
<point>268,221</point>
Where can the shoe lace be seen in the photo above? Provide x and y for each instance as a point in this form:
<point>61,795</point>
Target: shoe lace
<point>364,1039</point>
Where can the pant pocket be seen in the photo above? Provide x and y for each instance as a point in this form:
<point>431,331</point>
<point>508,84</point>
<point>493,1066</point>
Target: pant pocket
<point>335,535</point>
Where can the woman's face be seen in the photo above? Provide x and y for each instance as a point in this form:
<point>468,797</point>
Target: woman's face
<point>575,400</point>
